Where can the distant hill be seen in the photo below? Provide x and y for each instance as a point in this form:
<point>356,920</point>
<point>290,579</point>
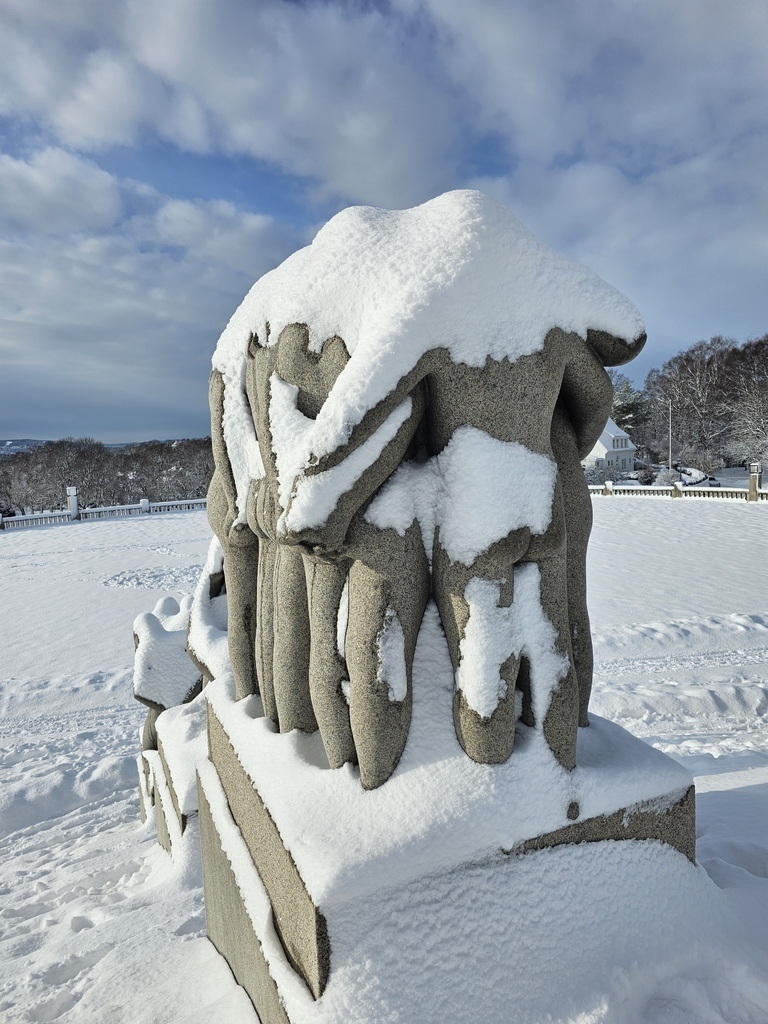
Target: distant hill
<point>19,444</point>
<point>22,444</point>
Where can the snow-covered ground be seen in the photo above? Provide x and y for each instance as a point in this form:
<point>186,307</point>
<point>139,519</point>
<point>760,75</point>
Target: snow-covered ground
<point>99,924</point>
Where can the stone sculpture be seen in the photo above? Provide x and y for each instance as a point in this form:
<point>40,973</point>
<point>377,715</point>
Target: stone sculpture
<point>398,416</point>
<point>323,675</point>
<point>350,465</point>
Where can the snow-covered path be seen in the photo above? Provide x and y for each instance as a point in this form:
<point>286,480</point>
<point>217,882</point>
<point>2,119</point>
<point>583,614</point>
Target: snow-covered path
<point>99,924</point>
<point>93,911</point>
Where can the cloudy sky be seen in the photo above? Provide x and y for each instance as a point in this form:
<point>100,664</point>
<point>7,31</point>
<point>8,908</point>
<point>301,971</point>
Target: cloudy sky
<point>157,156</point>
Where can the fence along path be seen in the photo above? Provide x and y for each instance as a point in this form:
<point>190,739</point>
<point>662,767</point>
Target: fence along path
<point>114,511</point>
<point>677,491</point>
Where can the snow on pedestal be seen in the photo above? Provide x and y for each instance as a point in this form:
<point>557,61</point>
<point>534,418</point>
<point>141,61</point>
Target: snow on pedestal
<point>167,680</point>
<point>335,864</point>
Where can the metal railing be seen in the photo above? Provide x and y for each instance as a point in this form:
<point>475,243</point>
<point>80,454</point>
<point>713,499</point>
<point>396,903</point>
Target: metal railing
<point>109,512</point>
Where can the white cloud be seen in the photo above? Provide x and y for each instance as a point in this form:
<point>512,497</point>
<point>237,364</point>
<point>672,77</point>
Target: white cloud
<point>218,232</point>
<point>56,193</point>
<point>380,105</point>
<point>642,83</point>
<point>329,92</point>
<point>108,103</point>
<point>116,311</point>
<point>345,97</point>
<point>631,135</point>
<point>376,105</point>
<point>43,47</point>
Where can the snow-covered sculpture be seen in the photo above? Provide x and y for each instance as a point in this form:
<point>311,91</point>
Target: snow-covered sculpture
<point>398,414</point>
<point>399,409</point>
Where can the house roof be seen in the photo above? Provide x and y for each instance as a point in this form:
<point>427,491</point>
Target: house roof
<point>611,430</point>
<point>604,443</point>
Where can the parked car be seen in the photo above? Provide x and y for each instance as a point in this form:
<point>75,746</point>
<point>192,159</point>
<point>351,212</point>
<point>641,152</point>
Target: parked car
<point>713,482</point>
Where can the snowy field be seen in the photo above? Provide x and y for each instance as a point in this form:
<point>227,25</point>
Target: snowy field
<point>99,924</point>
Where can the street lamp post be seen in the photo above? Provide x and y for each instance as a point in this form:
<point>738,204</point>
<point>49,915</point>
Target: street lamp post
<point>670,435</point>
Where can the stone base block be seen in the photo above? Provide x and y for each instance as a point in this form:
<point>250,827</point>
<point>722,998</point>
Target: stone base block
<point>145,793</point>
<point>329,860</point>
<point>175,808</point>
<point>170,825</point>
<point>458,946</point>
<point>236,905</point>
<point>167,774</point>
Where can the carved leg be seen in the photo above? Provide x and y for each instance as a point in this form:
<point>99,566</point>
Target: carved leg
<point>291,650</point>
<point>149,731</point>
<point>327,668</point>
<point>265,626</point>
<point>476,618</point>
<point>240,571</point>
<point>578,520</point>
<point>388,592</point>
<point>562,715</point>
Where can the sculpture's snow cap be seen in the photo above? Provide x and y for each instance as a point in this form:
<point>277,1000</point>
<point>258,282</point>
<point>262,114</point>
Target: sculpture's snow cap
<point>459,271</point>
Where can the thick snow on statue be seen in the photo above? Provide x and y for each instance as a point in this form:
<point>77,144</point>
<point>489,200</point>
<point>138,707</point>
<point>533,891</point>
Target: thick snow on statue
<point>399,412</point>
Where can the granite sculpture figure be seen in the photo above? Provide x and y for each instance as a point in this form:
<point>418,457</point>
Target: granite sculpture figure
<point>398,415</point>
<point>399,457</point>
<point>326,674</point>
<point>240,547</point>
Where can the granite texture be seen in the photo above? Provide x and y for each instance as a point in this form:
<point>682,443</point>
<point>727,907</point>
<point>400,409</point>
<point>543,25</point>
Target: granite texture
<point>228,925</point>
<point>553,402</point>
<point>241,551</point>
<point>298,922</point>
<point>300,583</point>
<point>181,818</point>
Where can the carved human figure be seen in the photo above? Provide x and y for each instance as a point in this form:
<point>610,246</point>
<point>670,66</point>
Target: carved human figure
<point>458,325</point>
<point>490,429</point>
<point>338,630</point>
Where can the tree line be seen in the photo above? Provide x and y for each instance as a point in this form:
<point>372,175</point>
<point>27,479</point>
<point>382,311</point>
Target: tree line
<point>36,479</point>
<point>718,391</point>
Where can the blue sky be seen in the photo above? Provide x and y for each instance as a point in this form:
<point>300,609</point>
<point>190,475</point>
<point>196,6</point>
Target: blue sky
<point>158,156</point>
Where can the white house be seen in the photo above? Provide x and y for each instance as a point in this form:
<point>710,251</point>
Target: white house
<point>614,450</point>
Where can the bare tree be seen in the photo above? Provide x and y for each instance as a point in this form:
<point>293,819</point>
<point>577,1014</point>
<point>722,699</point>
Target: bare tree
<point>696,383</point>
<point>748,390</point>
<point>36,479</point>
